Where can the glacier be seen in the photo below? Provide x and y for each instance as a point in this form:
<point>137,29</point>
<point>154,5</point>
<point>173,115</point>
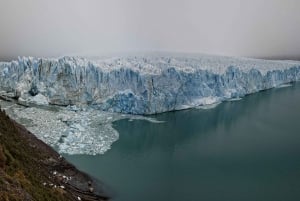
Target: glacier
<point>74,101</point>
<point>70,130</point>
<point>144,85</point>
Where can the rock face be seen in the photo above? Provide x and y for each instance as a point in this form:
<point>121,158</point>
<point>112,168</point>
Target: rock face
<point>144,84</point>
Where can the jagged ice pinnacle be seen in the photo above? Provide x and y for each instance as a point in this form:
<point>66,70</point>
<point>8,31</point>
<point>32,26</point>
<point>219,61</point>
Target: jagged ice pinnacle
<point>141,84</point>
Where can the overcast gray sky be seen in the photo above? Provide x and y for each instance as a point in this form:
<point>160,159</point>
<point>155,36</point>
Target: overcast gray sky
<point>257,28</point>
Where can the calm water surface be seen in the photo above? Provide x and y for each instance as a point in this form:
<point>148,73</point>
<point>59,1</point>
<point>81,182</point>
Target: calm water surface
<point>242,150</point>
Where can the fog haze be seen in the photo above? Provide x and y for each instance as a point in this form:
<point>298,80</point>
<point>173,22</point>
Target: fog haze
<point>256,28</point>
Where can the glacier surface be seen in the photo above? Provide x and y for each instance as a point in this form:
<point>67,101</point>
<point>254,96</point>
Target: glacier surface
<point>70,130</point>
<point>141,84</point>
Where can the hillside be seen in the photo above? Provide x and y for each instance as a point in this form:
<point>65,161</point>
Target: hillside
<point>31,170</point>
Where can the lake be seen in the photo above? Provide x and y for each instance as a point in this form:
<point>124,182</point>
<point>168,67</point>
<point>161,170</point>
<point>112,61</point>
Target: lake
<point>240,150</point>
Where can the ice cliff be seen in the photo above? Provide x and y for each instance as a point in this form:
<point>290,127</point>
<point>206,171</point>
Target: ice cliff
<point>141,84</point>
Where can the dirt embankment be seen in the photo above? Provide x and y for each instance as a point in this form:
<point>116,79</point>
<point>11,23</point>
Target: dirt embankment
<point>31,170</point>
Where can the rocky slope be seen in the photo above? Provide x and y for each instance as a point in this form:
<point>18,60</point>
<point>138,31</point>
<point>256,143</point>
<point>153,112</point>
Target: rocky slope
<point>31,170</point>
<point>141,85</point>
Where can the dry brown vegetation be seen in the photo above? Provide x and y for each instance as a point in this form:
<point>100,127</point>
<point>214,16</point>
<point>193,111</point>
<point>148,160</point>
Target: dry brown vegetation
<point>27,166</point>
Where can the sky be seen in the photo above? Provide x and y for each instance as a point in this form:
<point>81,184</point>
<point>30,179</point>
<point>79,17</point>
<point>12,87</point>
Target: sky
<point>50,28</point>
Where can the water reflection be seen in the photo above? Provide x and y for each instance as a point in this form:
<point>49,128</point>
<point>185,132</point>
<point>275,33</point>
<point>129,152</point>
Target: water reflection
<point>182,126</point>
<point>243,150</point>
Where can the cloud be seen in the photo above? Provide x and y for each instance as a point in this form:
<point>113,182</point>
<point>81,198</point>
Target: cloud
<point>95,27</point>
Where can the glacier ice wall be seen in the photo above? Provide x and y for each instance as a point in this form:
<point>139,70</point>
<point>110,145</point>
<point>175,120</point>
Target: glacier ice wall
<point>141,85</point>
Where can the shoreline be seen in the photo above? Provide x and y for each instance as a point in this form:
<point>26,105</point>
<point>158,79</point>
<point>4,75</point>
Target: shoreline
<point>42,166</point>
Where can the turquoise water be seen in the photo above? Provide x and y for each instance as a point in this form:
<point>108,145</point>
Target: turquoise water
<point>242,150</point>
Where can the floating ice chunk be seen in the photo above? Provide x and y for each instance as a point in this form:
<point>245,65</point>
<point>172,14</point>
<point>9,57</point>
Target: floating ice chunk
<point>284,85</point>
<point>86,131</point>
<point>235,99</point>
<point>149,119</point>
<point>207,107</point>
